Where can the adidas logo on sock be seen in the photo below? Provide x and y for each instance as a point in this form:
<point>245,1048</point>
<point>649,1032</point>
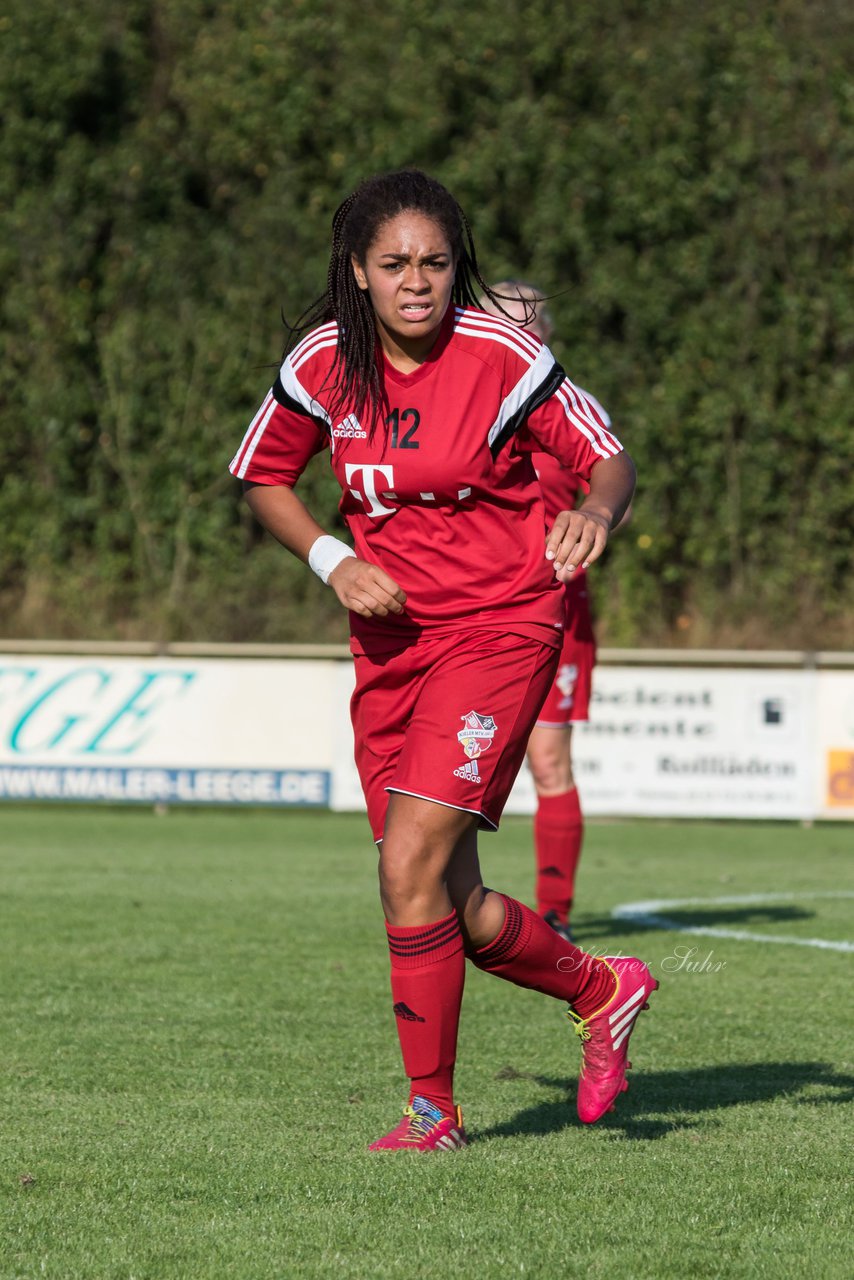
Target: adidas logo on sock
<point>468,771</point>
<point>551,871</point>
<point>403,1011</point>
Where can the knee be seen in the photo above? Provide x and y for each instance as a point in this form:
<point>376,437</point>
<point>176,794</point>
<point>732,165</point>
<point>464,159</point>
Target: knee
<point>410,870</point>
<point>419,843</point>
<point>551,764</point>
<point>481,920</point>
<point>402,870</point>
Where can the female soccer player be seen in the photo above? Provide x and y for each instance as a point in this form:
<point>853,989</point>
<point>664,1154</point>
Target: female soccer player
<point>558,820</point>
<point>430,410</point>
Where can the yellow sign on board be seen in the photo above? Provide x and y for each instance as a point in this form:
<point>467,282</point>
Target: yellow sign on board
<point>840,778</point>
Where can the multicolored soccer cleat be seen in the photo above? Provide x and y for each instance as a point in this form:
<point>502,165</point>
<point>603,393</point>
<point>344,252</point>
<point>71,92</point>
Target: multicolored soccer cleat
<point>424,1128</point>
<point>605,1037</point>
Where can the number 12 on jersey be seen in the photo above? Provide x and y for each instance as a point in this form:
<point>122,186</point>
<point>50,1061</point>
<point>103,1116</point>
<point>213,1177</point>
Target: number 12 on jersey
<point>407,419</point>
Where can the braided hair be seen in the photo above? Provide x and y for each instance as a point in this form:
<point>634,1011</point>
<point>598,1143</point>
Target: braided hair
<point>533,302</point>
<point>355,375</point>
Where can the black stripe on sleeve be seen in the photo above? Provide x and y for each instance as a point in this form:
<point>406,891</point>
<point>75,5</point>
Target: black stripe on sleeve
<point>547,387</point>
<point>281,396</point>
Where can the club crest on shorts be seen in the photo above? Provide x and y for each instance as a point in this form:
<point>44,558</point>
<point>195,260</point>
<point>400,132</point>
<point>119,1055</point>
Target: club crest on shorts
<point>476,734</point>
<point>475,737</point>
<point>567,675</point>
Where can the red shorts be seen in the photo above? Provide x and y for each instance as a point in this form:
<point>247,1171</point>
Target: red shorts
<point>568,700</point>
<point>447,719</point>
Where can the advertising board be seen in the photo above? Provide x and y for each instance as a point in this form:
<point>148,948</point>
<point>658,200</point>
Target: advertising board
<point>694,742</point>
<point>166,732</point>
<point>834,795</point>
<point>662,741</point>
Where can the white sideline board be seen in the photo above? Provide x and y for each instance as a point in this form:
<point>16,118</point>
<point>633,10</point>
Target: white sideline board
<point>662,741</point>
<point>147,731</point>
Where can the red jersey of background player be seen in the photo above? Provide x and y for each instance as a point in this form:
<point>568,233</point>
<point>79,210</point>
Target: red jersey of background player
<point>443,495</point>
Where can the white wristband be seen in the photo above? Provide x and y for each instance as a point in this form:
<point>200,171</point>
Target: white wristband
<point>326,554</point>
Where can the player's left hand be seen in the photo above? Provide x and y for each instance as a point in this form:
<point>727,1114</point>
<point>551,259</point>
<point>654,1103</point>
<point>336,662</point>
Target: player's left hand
<point>576,538</point>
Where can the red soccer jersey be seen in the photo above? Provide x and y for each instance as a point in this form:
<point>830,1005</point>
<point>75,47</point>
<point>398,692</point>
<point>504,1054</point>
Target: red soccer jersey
<point>560,484</point>
<point>443,495</point>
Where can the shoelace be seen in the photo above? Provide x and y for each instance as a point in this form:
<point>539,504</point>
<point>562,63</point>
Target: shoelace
<point>420,1125</point>
<point>592,1053</point>
<point>579,1026</point>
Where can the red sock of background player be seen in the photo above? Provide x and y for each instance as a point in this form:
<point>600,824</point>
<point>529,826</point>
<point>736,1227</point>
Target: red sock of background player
<point>528,952</point>
<point>427,976</point>
<point>558,832</point>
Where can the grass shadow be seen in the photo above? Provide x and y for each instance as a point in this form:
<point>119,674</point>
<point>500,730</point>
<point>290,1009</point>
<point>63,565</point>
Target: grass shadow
<point>670,1100</point>
<point>592,929</point>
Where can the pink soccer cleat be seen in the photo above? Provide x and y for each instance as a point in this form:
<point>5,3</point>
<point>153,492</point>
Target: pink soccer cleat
<point>424,1128</point>
<point>605,1038</point>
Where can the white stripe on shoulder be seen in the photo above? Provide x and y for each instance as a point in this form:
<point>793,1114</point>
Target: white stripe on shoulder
<point>588,395</point>
<point>259,431</point>
<point>265,404</point>
<point>297,361</point>
<point>504,340</point>
<point>580,413</point>
<point>581,425</point>
<point>294,388</point>
<point>590,409</point>
<point>306,344</point>
<point>523,390</point>
<point>489,323</point>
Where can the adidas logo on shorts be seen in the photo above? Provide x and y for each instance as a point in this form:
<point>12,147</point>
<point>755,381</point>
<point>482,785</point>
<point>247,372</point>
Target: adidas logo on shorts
<point>468,772</point>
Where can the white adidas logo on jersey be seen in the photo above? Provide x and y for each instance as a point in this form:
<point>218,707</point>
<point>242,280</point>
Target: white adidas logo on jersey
<point>350,428</point>
<point>468,772</point>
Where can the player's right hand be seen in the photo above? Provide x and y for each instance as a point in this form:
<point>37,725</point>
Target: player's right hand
<point>366,588</point>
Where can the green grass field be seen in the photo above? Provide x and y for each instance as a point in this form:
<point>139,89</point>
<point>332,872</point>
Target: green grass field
<point>197,1045</point>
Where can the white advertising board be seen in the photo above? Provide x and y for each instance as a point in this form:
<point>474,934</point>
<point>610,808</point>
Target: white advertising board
<point>835,774</point>
<point>694,742</point>
<point>661,742</point>
<point>170,731</point>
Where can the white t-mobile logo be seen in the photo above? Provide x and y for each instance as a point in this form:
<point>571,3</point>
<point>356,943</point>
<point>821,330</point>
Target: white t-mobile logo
<point>375,507</point>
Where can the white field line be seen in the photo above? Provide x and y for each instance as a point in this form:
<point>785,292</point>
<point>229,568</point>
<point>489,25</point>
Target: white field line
<point>649,914</point>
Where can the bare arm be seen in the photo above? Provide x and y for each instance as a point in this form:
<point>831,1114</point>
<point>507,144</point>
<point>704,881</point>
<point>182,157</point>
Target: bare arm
<point>363,587</point>
<point>285,516</point>
<point>579,537</point>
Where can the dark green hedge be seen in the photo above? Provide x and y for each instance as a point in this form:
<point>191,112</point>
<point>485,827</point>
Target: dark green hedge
<point>678,174</point>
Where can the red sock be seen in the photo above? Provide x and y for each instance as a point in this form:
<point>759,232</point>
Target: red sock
<point>558,832</point>
<point>528,952</point>
<point>427,976</point>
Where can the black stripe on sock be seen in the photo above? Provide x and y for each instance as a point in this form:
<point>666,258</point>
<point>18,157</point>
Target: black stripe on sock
<point>422,943</point>
<point>506,944</point>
